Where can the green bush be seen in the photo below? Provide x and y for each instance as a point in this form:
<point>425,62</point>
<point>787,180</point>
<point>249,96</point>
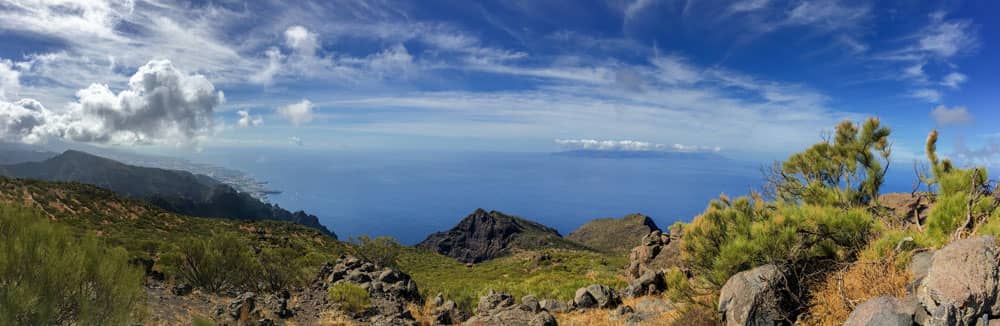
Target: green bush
<point>214,263</point>
<point>965,199</point>
<point>845,171</point>
<point>48,276</point>
<point>381,251</point>
<point>350,297</point>
<point>736,235</point>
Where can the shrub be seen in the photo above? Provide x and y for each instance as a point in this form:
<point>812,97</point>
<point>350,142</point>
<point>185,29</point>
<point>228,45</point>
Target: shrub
<point>48,276</point>
<point>381,251</point>
<point>279,269</point>
<point>350,297</point>
<point>966,199</point>
<point>215,263</point>
<point>846,171</point>
<point>736,235</point>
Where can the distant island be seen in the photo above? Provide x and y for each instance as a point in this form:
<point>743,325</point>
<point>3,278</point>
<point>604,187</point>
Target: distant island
<point>622,154</point>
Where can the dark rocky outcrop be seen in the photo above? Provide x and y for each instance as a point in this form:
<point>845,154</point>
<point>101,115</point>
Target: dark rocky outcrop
<point>486,235</point>
<point>961,283</point>
<point>755,297</point>
<point>614,235</point>
<point>180,192</point>
<point>596,296</point>
<point>883,311</point>
<point>500,309</point>
<point>445,312</point>
<point>657,251</point>
<point>649,283</point>
<point>390,291</point>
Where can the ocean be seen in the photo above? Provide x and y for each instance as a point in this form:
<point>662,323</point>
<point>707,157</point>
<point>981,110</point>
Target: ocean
<point>408,195</point>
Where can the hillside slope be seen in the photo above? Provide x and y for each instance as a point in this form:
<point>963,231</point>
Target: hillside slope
<point>176,191</point>
<point>486,235</point>
<point>614,235</point>
<point>141,227</point>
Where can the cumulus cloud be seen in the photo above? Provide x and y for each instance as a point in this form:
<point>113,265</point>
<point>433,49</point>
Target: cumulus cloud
<point>945,116</point>
<point>628,146</point>
<point>297,113</point>
<point>161,105</point>
<point>247,120</point>
<point>301,40</point>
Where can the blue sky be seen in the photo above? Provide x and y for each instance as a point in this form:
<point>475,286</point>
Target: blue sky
<point>750,79</point>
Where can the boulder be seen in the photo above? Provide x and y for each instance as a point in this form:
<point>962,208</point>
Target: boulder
<point>651,282</point>
<point>920,263</point>
<point>499,309</point>
<point>961,283</point>
<point>754,297</point>
<point>530,303</point>
<point>245,306</point>
<point>493,301</point>
<point>657,252</point>
<point>883,311</point>
<point>554,306</point>
<point>445,312</point>
<point>390,291</point>
<point>181,289</point>
<point>596,296</point>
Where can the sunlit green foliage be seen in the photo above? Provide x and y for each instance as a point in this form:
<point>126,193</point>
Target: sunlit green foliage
<point>736,235</point>
<point>964,200</point>
<point>381,251</point>
<point>845,171</point>
<point>350,297</point>
<point>48,276</point>
<point>214,263</point>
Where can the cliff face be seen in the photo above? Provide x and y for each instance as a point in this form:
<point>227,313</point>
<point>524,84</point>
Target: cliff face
<point>486,235</point>
<point>614,235</point>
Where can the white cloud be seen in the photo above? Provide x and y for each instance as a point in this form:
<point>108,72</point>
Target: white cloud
<point>301,40</point>
<point>945,39</point>
<point>247,120</point>
<point>266,75</point>
<point>294,140</point>
<point>916,72</point>
<point>945,116</point>
<point>954,80</point>
<point>748,5</point>
<point>297,113</point>
<point>161,105</point>
<point>10,83</point>
<point>628,145</point>
<point>827,15</point>
<point>926,94</point>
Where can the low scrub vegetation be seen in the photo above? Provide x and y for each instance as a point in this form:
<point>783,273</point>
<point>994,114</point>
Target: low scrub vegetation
<point>350,297</point>
<point>549,274</point>
<point>49,276</point>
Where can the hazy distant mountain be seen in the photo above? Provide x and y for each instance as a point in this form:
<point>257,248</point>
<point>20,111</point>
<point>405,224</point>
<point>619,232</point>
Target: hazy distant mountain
<point>639,154</point>
<point>177,191</point>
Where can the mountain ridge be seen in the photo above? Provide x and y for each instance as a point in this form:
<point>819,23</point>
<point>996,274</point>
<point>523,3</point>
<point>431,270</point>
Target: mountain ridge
<point>177,191</point>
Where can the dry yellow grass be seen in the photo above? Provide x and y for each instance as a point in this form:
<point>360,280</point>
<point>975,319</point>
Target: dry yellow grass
<point>841,291</point>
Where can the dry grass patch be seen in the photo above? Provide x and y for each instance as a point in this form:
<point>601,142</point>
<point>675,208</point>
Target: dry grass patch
<point>841,291</point>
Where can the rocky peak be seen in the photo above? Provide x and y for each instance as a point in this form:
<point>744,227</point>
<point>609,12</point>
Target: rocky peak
<point>486,235</point>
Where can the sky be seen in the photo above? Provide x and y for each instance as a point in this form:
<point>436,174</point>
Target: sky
<point>754,79</point>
